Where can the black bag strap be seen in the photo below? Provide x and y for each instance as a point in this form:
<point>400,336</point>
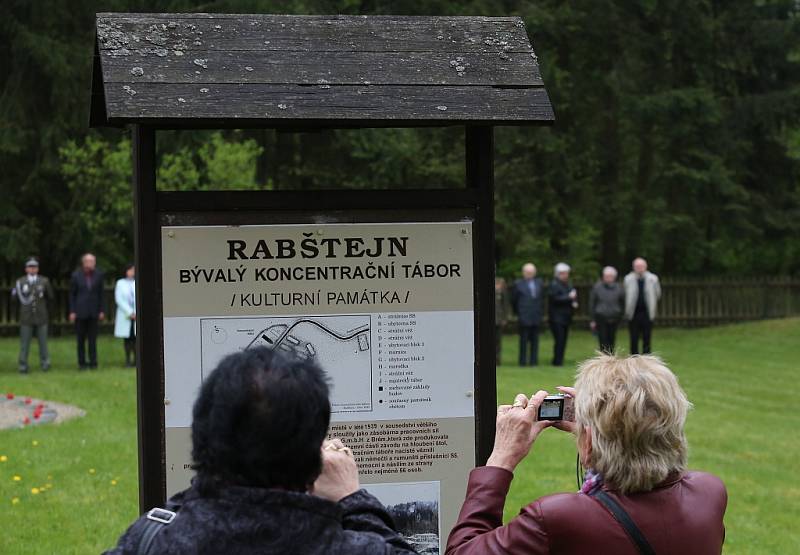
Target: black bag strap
<point>621,516</point>
<point>156,520</point>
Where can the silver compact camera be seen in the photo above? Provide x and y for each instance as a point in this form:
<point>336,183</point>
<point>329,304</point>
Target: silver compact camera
<point>557,407</point>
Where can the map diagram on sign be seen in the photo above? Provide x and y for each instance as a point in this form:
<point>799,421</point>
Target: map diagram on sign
<point>340,344</point>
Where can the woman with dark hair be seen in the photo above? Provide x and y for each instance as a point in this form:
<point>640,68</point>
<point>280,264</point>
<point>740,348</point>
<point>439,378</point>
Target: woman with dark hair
<point>266,481</point>
<point>125,319</point>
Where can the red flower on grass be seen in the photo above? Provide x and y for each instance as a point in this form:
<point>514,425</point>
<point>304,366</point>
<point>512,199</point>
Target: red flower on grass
<point>9,395</point>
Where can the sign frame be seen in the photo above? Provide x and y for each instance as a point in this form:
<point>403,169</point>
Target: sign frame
<point>154,209</point>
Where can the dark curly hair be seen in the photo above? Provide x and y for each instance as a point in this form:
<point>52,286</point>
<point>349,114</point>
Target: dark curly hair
<point>260,420</point>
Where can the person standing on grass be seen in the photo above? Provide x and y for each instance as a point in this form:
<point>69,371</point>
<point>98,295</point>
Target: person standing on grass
<point>87,308</point>
<point>125,319</point>
<point>642,293</point>
<point>501,310</point>
<point>606,302</point>
<point>636,495</point>
<point>32,292</point>
<point>563,300</point>
<point>527,301</point>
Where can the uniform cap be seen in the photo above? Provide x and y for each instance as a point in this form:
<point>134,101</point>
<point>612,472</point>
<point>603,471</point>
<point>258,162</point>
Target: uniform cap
<point>31,262</point>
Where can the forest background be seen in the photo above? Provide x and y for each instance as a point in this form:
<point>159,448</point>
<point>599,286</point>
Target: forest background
<point>677,137</point>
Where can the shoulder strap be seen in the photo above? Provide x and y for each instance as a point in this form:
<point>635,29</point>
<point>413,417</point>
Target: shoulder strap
<point>155,521</point>
<point>621,516</point>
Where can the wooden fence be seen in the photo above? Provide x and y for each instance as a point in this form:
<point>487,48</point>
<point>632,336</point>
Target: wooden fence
<point>684,302</point>
<point>712,301</point>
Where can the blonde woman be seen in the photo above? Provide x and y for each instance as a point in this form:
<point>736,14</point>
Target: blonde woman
<point>637,496</point>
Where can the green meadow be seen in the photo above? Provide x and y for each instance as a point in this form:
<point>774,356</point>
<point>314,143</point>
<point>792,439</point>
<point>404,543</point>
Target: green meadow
<point>72,488</point>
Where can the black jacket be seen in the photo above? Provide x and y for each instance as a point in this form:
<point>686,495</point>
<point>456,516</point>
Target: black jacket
<point>529,309</point>
<point>559,306</point>
<point>244,520</point>
<point>85,300</point>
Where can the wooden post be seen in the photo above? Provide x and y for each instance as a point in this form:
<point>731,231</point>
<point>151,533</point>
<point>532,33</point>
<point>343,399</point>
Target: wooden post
<point>480,176</point>
<point>150,386</point>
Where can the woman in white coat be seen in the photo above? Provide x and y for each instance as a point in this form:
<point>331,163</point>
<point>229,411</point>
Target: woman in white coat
<point>125,321</point>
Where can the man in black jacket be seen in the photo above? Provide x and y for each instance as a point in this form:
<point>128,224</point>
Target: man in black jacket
<point>606,302</point>
<point>87,307</point>
<point>562,301</point>
<point>527,301</point>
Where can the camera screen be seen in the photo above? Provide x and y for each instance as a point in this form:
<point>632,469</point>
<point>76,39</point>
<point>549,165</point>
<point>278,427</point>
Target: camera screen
<point>550,409</point>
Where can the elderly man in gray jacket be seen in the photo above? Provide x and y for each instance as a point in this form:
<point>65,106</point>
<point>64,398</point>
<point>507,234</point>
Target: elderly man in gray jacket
<point>606,302</point>
<point>642,293</point>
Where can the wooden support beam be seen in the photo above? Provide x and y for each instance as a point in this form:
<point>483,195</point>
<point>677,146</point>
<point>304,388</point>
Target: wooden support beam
<point>149,323</point>
<point>480,177</point>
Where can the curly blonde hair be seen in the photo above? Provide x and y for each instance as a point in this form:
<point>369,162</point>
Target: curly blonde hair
<point>635,411</point>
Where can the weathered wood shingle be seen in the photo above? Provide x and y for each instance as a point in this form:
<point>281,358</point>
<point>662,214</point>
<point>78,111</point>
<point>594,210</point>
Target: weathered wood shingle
<point>269,70</point>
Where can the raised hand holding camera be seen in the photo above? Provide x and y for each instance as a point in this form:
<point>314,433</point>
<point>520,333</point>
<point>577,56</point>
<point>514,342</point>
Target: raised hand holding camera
<point>568,424</point>
<point>516,429</point>
<point>339,477</point>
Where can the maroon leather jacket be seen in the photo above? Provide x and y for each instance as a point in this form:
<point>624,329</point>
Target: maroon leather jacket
<point>682,515</point>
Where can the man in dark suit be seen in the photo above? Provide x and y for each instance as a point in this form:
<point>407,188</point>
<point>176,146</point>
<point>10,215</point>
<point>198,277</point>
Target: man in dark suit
<point>527,300</point>
<point>87,307</point>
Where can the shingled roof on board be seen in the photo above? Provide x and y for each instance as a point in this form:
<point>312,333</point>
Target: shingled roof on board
<point>272,70</point>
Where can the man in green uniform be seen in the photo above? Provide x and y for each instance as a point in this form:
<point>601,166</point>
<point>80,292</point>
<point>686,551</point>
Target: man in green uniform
<point>32,292</point>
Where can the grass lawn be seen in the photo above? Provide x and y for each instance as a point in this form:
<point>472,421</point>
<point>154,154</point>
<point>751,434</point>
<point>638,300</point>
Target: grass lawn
<point>742,380</point>
<point>83,512</point>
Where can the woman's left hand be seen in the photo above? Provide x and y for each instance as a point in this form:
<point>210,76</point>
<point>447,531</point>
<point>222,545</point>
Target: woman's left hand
<point>516,430</point>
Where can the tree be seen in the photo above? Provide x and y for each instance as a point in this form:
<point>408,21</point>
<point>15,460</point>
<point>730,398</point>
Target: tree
<point>98,175</point>
<point>677,136</point>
